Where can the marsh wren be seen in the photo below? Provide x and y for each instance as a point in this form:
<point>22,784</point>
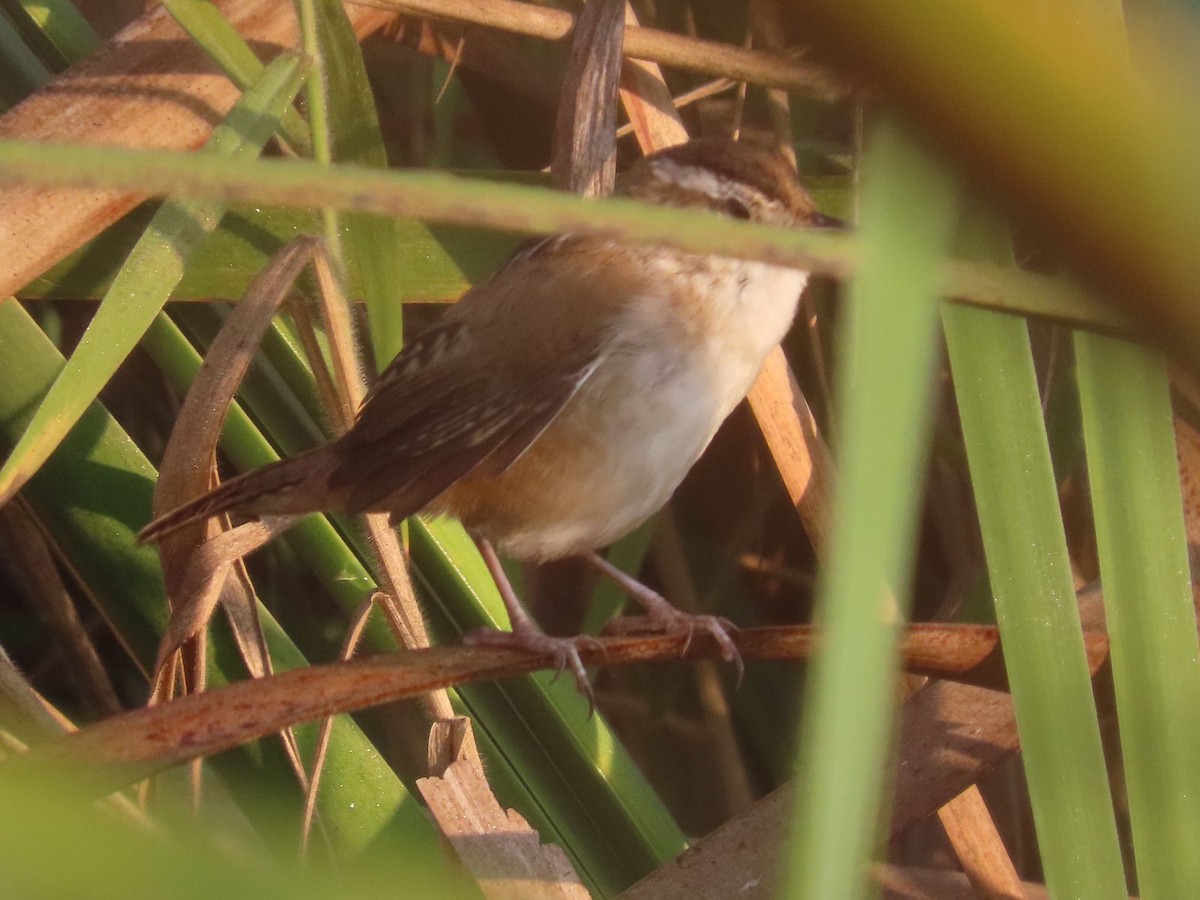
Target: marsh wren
<point>559,404</point>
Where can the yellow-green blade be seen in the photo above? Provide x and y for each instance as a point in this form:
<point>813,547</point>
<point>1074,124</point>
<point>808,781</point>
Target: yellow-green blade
<point>1147,588</point>
<point>909,207</point>
<point>1016,495</point>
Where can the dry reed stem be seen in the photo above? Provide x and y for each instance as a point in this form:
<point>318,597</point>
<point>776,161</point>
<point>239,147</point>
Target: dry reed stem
<point>136,743</point>
<point>662,47</point>
<point>584,156</point>
<point>978,846</point>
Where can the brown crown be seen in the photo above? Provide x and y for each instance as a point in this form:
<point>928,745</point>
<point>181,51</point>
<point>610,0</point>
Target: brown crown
<point>765,171</point>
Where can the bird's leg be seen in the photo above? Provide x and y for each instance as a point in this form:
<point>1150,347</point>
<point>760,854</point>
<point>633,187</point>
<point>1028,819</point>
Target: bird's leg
<point>666,617</point>
<point>525,634</point>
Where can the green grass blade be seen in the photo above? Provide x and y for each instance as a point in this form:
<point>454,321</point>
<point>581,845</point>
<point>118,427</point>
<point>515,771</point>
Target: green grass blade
<point>148,277</point>
<point>64,28</point>
<point>21,72</point>
<point>1013,480</point>
<point>370,242</point>
<point>432,196</point>
<point>909,207</point>
<point>1138,507</point>
<point>442,262</point>
<point>93,495</point>
<point>208,27</point>
<point>436,268</point>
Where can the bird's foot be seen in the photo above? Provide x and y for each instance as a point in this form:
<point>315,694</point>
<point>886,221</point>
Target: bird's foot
<point>565,650</point>
<point>673,622</point>
<point>664,618</point>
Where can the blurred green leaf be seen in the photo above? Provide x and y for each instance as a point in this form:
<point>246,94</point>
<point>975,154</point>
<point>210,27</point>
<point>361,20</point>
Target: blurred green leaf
<point>441,197</point>
<point>1095,160</point>
<point>55,844</point>
<point>888,349</point>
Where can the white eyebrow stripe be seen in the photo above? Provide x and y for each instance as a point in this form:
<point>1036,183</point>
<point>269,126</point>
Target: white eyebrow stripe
<point>696,178</point>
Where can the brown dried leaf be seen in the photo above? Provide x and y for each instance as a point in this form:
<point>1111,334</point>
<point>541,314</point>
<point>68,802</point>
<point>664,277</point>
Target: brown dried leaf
<point>194,594</point>
<point>498,847</point>
<point>648,102</point>
<point>197,558</point>
<point>979,848</point>
<point>795,443</point>
<point>192,446</point>
<point>149,87</point>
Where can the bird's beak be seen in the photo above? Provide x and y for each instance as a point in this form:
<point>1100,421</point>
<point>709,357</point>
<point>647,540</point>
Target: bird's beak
<point>820,220</point>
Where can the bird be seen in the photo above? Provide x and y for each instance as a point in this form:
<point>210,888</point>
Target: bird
<point>558,404</point>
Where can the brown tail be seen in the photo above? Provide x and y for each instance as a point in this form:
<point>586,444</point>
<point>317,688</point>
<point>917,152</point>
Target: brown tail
<point>290,486</point>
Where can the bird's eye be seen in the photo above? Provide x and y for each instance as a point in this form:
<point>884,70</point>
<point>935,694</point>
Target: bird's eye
<point>736,208</point>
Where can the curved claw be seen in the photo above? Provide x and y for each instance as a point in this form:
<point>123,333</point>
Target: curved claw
<point>667,619</point>
<point>672,622</point>
<point>720,628</point>
<point>565,651</point>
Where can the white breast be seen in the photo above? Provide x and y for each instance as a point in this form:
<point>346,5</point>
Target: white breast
<point>669,379</point>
